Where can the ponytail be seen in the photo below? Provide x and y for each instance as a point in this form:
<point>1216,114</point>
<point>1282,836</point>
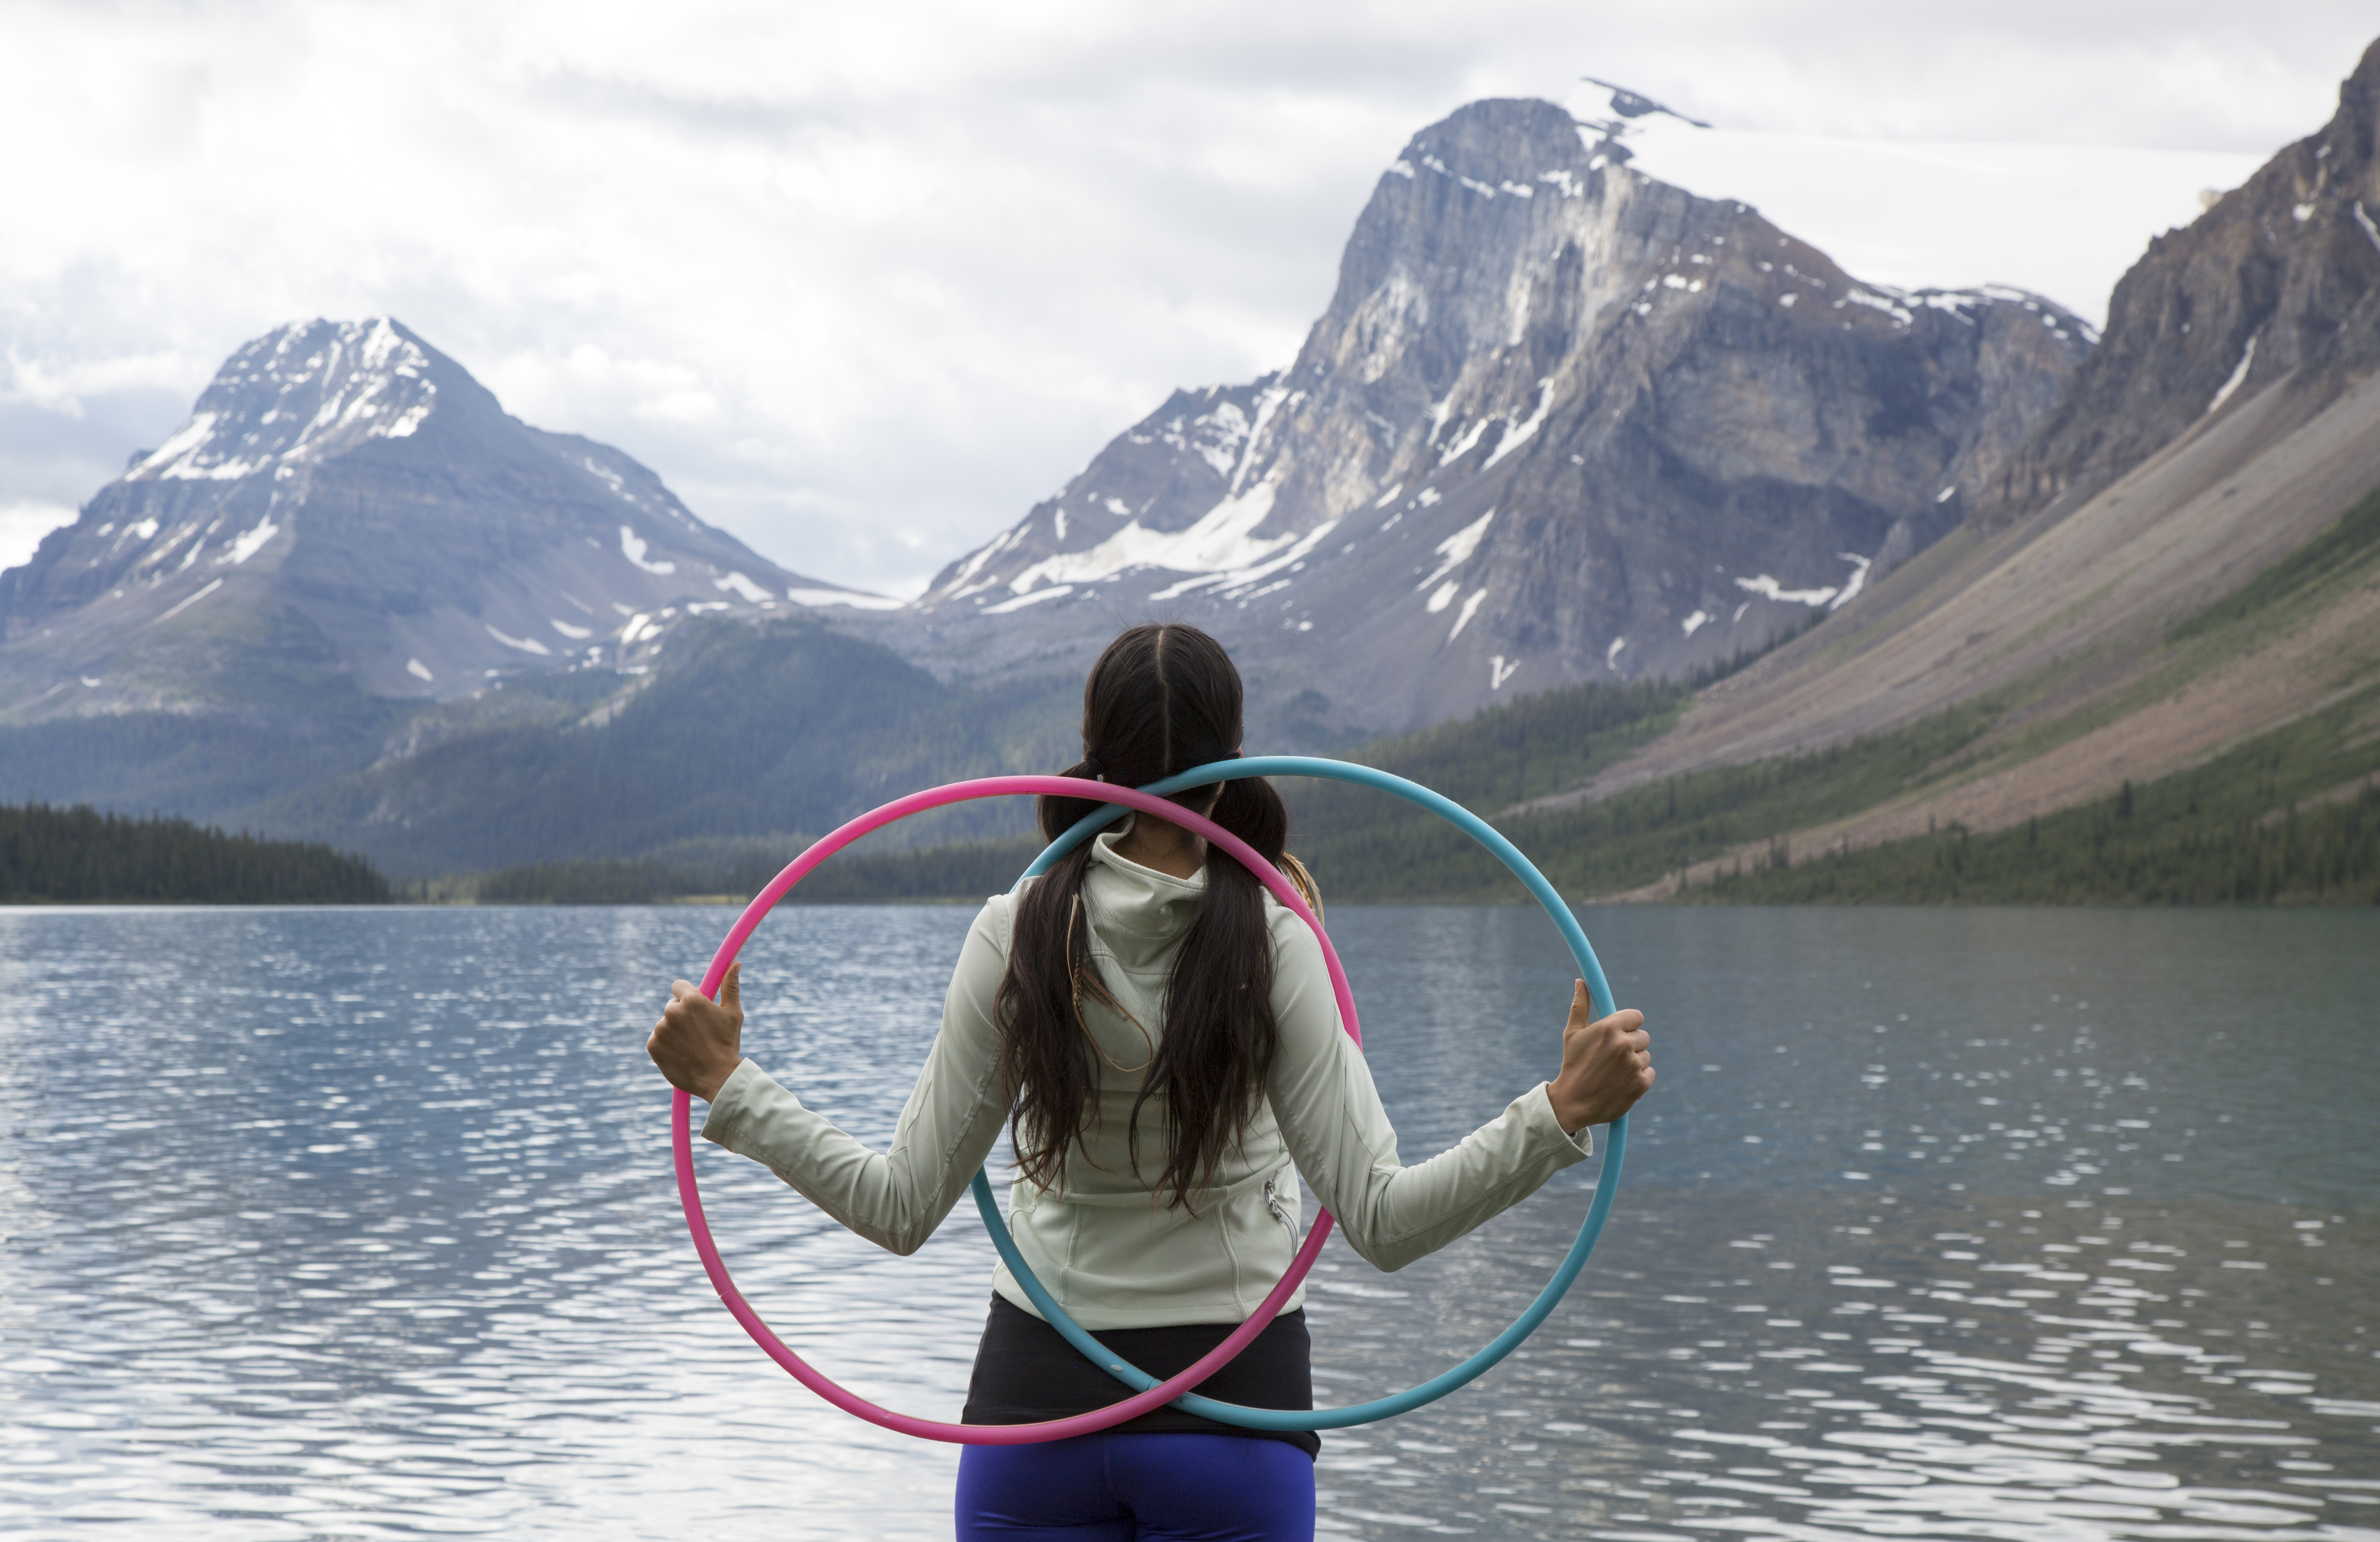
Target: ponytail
<point>1162,699</point>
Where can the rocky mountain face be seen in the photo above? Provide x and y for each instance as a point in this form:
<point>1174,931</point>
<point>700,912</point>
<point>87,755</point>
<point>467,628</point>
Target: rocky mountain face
<point>1561,421</point>
<point>347,510</point>
<point>2160,577</point>
<point>2273,283</point>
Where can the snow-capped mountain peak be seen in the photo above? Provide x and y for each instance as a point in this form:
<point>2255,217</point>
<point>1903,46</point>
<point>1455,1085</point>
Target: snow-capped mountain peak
<point>346,501</point>
<point>300,393</point>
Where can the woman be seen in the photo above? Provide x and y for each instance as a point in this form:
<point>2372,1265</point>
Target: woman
<point>1161,1033</point>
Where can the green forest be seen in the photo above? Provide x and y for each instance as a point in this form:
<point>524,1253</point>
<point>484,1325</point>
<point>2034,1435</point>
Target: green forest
<point>2292,817</point>
<point>1638,836</point>
<point>967,870</point>
<point>80,856</point>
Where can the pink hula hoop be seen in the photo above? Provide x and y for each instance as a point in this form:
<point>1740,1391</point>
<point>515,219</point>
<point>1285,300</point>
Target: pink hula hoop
<point>682,1132</point>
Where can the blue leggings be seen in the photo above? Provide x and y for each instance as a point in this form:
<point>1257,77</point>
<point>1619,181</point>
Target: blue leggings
<point>1155,1487</point>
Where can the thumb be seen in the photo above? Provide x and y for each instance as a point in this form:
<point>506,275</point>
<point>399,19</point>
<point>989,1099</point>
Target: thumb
<point>731,990</point>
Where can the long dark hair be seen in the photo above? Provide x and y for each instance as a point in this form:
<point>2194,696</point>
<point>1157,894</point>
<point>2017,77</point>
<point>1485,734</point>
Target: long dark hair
<point>1162,699</point>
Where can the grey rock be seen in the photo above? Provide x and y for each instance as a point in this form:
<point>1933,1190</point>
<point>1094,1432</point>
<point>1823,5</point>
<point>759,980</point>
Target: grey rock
<point>1561,421</point>
<point>2280,280</point>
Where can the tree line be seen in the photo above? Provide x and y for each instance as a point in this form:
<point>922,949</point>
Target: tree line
<point>2291,817</point>
<point>80,856</point>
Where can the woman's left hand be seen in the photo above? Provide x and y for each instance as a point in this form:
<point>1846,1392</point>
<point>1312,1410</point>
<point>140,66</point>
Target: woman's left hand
<point>1607,1064</point>
<point>699,1042</point>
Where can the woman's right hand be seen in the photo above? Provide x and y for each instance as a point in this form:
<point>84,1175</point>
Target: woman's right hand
<point>699,1042</point>
<point>1606,1065</point>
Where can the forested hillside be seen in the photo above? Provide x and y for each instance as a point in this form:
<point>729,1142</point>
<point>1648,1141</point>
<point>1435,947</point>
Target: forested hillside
<point>1493,758</point>
<point>2292,818</point>
<point>744,739</point>
<point>81,856</point>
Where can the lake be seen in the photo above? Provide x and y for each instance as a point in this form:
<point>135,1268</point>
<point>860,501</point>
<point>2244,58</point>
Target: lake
<point>1978,1223</point>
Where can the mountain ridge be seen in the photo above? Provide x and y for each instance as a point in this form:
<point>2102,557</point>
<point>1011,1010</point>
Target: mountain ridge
<point>346,504</point>
<point>1614,429</point>
<point>2072,615</point>
<point>2271,282</point>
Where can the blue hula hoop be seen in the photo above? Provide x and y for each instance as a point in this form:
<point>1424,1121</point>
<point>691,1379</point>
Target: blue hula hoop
<point>1606,1188</point>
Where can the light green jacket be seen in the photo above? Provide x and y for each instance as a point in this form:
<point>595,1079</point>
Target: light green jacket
<point>1113,1256</point>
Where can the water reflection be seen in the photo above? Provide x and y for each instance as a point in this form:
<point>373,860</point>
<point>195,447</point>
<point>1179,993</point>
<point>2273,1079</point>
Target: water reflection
<point>1944,1224</point>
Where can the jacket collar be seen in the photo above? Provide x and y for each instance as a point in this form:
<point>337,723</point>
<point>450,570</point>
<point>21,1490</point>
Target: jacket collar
<point>1127,899</point>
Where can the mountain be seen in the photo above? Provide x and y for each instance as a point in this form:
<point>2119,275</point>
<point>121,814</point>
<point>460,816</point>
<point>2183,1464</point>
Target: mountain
<point>2167,579</point>
<point>1565,435</point>
<point>745,737</point>
<point>348,513</point>
<point>1561,421</point>
<point>2271,284</point>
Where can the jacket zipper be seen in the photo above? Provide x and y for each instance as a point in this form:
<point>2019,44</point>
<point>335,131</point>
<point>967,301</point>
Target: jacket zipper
<point>1272,1203</point>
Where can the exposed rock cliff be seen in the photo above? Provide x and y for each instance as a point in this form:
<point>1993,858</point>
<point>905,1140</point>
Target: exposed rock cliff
<point>1560,421</point>
<point>2140,598</point>
<point>2276,281</point>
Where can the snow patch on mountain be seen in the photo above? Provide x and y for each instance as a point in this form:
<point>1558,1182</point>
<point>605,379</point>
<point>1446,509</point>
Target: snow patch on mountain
<point>1457,550</point>
<point>633,546</point>
<point>1470,609</point>
<point>1768,588</point>
<point>844,597</point>
<point>1834,597</point>
<point>1857,581</point>
<point>1268,403</point>
<point>185,442</point>
<point>248,543</point>
<point>2247,361</point>
<point>1469,438</point>
<point>744,587</point>
<point>1233,582</point>
<point>1007,606</point>
<point>1517,435</point>
<point>187,601</point>
<point>527,645</point>
<point>1223,541</point>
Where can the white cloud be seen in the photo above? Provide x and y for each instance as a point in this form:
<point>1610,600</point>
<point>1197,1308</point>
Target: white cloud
<point>2064,219</point>
<point>22,526</point>
<point>863,282</point>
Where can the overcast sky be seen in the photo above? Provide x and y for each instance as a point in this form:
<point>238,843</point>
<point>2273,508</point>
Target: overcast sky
<point>864,282</point>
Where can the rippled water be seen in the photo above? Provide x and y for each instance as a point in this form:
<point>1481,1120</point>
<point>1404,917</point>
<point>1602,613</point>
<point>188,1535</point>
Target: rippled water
<point>1940,1223</point>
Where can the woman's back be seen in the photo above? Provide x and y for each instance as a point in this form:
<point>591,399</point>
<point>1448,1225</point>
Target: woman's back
<point>1113,1243</point>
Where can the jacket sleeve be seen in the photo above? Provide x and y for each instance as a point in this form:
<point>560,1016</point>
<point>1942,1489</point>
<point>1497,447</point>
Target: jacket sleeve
<point>948,1127</point>
<point>1330,1117</point>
